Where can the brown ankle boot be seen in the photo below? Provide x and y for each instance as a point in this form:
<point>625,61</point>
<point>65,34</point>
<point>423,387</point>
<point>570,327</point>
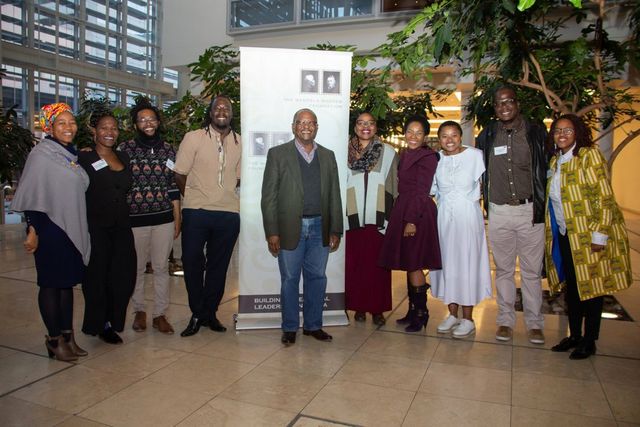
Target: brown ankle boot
<point>61,350</point>
<point>71,341</point>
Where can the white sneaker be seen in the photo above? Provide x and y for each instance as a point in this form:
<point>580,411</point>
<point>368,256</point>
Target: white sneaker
<point>466,328</point>
<point>448,324</point>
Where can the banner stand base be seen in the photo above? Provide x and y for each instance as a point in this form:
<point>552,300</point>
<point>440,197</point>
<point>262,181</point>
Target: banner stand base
<point>245,321</point>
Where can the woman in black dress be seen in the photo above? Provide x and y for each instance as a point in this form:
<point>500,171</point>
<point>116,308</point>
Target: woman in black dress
<point>51,193</point>
<point>111,272</point>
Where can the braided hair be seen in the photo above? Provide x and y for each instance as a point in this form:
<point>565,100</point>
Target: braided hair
<point>207,117</point>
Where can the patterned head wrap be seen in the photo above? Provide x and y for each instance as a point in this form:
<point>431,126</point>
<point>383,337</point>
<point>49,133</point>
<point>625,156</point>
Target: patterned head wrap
<point>48,115</point>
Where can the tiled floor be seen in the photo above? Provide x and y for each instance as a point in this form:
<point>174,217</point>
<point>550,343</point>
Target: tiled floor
<point>366,376</point>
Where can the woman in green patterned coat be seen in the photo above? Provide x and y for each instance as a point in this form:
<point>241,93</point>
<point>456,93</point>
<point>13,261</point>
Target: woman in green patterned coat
<point>586,248</point>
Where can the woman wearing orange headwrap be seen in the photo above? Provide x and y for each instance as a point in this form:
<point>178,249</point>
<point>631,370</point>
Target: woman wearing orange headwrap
<point>51,193</point>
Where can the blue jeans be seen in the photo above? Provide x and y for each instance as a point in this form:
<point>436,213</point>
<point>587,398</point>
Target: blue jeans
<point>205,276</point>
<point>310,258</point>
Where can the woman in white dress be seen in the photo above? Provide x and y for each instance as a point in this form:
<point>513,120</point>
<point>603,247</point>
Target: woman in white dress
<point>465,278</point>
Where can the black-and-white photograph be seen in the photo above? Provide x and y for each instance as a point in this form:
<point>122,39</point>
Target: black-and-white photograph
<point>331,82</point>
<point>309,81</point>
<point>259,143</point>
<point>279,138</point>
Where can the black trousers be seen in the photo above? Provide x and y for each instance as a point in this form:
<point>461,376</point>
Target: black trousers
<point>205,275</point>
<point>110,278</point>
<point>590,310</point>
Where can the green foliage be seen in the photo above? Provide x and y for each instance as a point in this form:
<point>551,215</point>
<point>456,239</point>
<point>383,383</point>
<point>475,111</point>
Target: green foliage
<point>15,144</point>
<point>182,117</point>
<point>371,91</point>
<point>498,44</point>
<point>218,70</point>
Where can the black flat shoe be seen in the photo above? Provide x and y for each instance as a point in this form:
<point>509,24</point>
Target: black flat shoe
<point>360,316</point>
<point>318,334</point>
<point>110,336</point>
<point>378,319</point>
<point>566,344</point>
<point>192,328</point>
<point>288,338</point>
<point>585,349</point>
<point>216,326</point>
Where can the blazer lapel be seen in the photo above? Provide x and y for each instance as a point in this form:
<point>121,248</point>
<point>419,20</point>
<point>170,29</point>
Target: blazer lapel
<point>293,165</point>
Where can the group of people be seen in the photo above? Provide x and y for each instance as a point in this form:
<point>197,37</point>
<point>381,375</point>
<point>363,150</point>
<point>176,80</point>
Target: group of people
<point>547,196</point>
<point>97,216</point>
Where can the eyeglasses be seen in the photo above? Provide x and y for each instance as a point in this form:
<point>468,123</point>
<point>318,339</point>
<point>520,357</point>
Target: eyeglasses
<point>365,123</point>
<point>306,123</point>
<point>146,121</point>
<point>564,131</point>
<point>504,102</point>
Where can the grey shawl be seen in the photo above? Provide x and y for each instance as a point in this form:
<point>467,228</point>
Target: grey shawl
<point>53,182</point>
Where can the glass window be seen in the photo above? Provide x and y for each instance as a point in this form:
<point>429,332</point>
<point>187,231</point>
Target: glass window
<point>48,4</point>
<point>44,88</point>
<point>94,90</point>
<point>68,7</point>
<point>96,12</point>
<point>45,31</point>
<point>94,48</point>
<point>14,29</point>
<point>170,76</point>
<point>249,13</point>
<point>68,36</point>
<point>13,93</point>
<point>401,5</point>
<point>68,91</point>
<point>331,9</point>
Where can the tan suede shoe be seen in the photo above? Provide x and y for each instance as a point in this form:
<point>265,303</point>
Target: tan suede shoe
<point>162,325</point>
<point>140,321</point>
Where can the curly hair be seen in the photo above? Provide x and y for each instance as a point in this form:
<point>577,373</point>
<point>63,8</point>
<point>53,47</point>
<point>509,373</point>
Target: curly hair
<point>96,116</point>
<point>582,134</point>
<point>420,119</point>
<point>144,104</point>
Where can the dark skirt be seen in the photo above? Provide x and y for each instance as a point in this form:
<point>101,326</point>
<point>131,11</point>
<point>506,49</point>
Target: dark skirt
<point>418,252</point>
<point>58,262</point>
<point>367,286</point>
<point>110,279</point>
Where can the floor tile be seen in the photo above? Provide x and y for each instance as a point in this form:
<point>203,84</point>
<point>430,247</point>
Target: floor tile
<point>20,369</point>
<point>364,404</point>
<point>527,417</point>
<point>241,347</point>
<point>80,422</point>
<point>547,362</point>
<point>276,388</point>
<point>385,371</point>
<point>18,413</point>
<point>465,382</point>
<point>146,403</point>
<point>202,374</point>
<point>82,387</point>
<point>232,413</point>
<point>430,409</point>
<point>481,355</point>
<point>616,370</point>
<point>402,345</point>
<point>135,360</point>
<point>560,394</point>
<point>307,359</point>
<point>624,400</point>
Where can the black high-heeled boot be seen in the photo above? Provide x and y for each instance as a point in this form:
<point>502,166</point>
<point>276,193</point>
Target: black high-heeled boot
<point>418,296</point>
<point>407,318</point>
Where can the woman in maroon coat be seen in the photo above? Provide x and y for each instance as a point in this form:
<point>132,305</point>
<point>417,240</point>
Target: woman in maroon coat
<point>411,242</point>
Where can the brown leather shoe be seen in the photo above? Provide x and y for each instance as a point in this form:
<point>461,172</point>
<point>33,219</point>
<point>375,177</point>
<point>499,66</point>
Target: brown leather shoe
<point>504,333</point>
<point>58,349</point>
<point>140,321</point>
<point>162,325</point>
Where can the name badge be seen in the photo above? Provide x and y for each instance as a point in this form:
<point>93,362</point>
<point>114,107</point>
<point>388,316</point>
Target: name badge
<point>170,164</point>
<point>100,164</point>
<point>499,151</point>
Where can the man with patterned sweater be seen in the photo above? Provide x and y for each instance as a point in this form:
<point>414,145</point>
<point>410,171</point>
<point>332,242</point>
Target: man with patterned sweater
<point>154,209</point>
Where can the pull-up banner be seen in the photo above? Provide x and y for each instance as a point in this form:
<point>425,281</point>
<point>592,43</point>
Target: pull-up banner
<point>274,84</point>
